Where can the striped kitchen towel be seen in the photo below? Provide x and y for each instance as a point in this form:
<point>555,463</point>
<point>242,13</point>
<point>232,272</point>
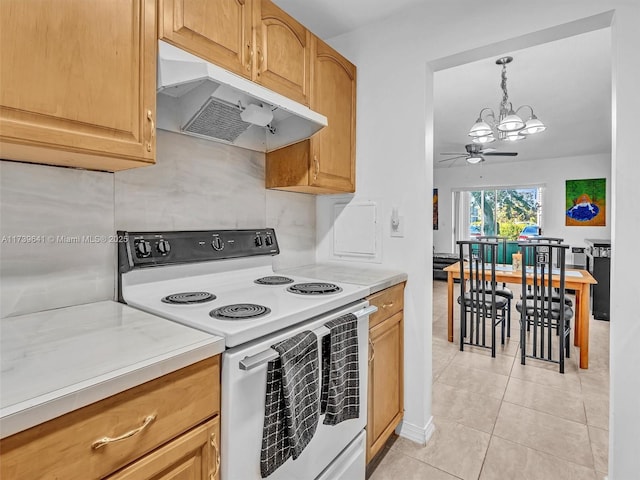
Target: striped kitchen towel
<point>340,397</point>
<point>292,406</point>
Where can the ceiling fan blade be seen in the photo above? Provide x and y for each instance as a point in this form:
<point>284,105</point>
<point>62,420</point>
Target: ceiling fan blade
<point>453,153</point>
<point>487,150</point>
<point>452,158</point>
<point>501,154</point>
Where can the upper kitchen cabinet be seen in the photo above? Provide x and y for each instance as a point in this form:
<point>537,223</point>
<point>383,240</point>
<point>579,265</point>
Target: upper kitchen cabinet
<point>277,55</point>
<point>282,52</point>
<point>218,31</point>
<point>78,82</point>
<point>325,163</point>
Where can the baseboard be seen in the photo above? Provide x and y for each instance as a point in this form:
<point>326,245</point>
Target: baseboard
<point>415,433</point>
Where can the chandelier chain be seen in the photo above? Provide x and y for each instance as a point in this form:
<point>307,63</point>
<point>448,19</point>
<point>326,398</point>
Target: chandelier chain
<point>503,85</point>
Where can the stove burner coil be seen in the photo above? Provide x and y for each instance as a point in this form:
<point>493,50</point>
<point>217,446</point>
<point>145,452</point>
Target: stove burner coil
<point>273,280</point>
<point>189,298</point>
<point>239,311</point>
<point>315,288</point>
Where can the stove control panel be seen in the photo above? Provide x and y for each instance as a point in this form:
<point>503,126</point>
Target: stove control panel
<point>146,249</point>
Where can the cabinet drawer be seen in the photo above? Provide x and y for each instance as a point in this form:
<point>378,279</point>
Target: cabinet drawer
<point>389,302</point>
<point>65,447</point>
<point>193,455</point>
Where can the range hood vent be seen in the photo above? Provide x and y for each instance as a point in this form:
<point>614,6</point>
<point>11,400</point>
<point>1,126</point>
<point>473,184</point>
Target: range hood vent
<point>217,119</point>
<point>198,98</point>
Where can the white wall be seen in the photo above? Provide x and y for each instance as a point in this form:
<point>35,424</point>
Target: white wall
<point>395,161</point>
<point>551,173</point>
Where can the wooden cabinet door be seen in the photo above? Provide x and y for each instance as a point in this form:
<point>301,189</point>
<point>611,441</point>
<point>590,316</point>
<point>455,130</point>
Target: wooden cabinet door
<point>194,455</point>
<point>283,57</point>
<point>78,77</point>
<point>333,95</point>
<point>218,31</point>
<point>386,401</point>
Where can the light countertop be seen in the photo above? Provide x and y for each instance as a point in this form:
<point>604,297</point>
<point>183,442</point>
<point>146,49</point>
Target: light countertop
<point>57,361</point>
<point>368,275</point>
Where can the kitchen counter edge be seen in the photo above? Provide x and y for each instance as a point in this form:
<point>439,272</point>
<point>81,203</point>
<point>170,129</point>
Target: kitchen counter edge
<point>35,411</point>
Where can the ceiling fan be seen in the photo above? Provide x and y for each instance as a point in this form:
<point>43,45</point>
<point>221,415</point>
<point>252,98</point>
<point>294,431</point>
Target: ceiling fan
<point>475,154</point>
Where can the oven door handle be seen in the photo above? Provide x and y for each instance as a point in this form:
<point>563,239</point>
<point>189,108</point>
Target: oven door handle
<point>253,361</point>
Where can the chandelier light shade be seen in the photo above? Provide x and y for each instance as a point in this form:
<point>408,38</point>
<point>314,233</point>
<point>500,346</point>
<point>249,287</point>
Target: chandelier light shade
<point>507,125</point>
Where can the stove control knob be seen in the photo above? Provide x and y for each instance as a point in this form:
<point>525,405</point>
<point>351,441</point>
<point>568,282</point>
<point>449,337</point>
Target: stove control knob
<point>143,249</point>
<point>164,247</point>
<point>217,244</point>
<point>268,240</point>
<point>258,241</point>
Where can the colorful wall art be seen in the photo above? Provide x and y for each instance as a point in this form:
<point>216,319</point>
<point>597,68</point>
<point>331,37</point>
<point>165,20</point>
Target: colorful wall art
<point>435,209</point>
<point>586,202</point>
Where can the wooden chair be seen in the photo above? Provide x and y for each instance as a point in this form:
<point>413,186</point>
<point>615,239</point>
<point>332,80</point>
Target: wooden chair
<point>540,319</point>
<point>479,303</point>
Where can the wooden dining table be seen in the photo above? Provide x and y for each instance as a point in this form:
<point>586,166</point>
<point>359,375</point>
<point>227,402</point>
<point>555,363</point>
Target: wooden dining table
<point>577,280</point>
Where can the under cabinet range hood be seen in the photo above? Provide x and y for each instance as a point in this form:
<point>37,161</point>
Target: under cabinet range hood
<point>198,98</point>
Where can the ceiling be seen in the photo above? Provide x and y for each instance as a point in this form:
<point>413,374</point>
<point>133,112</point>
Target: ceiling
<point>567,82</point>
<point>330,18</point>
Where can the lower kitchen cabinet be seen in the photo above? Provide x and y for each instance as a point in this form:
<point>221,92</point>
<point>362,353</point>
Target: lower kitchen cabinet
<point>168,425</point>
<point>192,456</point>
<point>386,368</point>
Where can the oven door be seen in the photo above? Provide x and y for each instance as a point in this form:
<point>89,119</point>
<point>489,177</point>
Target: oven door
<point>243,402</point>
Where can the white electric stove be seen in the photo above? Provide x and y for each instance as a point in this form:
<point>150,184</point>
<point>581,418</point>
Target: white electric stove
<point>222,282</point>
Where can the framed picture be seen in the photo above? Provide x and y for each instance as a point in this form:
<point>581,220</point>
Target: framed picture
<point>586,202</point>
<point>435,209</point>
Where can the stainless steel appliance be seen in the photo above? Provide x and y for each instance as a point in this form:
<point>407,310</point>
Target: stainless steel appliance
<point>223,282</point>
<point>599,266</point>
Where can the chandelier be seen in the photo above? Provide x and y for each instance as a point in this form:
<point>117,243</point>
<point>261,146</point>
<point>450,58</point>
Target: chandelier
<point>508,125</point>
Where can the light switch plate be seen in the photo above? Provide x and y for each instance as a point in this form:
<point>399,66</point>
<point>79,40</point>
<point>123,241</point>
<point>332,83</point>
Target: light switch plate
<point>399,230</point>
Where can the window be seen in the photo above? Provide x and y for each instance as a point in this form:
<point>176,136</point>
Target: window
<point>498,211</point>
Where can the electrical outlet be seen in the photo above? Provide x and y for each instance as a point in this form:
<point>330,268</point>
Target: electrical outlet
<point>397,227</point>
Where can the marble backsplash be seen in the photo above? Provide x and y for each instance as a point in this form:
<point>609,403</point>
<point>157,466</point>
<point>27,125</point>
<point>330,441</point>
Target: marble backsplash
<point>55,225</point>
<point>195,184</point>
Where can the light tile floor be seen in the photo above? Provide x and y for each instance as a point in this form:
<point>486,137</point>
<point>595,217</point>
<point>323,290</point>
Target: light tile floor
<point>496,419</point>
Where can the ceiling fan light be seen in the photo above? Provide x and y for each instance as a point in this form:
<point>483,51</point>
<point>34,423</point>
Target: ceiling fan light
<point>511,123</point>
<point>473,159</point>
<point>533,125</point>
<point>484,140</point>
<point>480,129</point>
<point>514,136</point>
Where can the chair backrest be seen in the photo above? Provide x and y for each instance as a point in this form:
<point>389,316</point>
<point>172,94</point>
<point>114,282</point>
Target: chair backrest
<point>555,240</point>
<point>502,246</point>
<point>544,240</point>
<point>478,258</point>
<point>545,316</point>
<point>478,290</point>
